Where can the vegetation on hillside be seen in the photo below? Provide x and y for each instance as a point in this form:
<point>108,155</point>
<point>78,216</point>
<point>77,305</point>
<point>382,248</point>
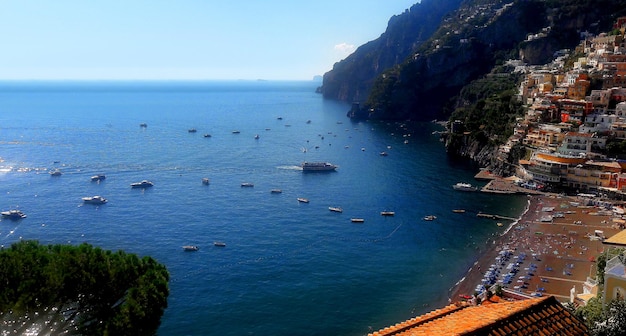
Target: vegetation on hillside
<point>102,292</point>
<point>488,107</point>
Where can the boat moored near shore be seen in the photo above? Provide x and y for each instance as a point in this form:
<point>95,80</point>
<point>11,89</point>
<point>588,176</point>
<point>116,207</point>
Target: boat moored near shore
<point>464,187</point>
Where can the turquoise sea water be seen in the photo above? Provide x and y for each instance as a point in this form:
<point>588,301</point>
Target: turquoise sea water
<point>288,268</point>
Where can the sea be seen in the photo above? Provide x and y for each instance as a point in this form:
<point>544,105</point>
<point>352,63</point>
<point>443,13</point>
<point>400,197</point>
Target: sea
<point>288,268</point>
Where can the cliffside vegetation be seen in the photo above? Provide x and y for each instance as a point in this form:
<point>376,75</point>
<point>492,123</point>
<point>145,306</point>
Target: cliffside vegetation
<point>81,289</point>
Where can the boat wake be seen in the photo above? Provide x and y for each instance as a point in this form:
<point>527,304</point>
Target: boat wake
<point>290,167</point>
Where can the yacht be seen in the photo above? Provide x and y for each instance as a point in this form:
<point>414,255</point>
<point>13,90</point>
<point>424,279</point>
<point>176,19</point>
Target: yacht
<point>303,200</point>
<point>317,166</point>
<point>13,214</point>
<point>142,184</point>
<point>190,248</point>
<point>94,200</point>
<point>335,209</point>
<point>98,178</point>
<point>464,187</point>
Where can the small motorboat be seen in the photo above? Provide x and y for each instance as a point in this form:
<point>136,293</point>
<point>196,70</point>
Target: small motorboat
<point>205,181</point>
<point>387,213</point>
<point>357,220</point>
<point>13,214</point>
<point>219,244</point>
<point>143,125</point>
<point>430,218</point>
<point>256,136</point>
<point>142,184</point>
<point>94,200</point>
<point>192,130</point>
<point>276,191</point>
<point>335,209</point>
<point>56,172</point>
<point>98,178</point>
<point>190,248</point>
<point>303,200</point>
<point>247,185</point>
<point>236,132</point>
<point>458,211</point>
<point>207,135</point>
<point>383,154</point>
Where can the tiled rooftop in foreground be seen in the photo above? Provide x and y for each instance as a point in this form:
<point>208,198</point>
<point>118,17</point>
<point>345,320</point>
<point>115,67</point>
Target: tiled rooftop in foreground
<point>540,316</point>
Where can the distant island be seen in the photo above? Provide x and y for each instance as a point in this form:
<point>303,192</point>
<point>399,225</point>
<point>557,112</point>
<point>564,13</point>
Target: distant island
<point>80,290</point>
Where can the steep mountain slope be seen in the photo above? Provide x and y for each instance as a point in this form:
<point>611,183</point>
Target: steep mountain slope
<point>351,79</point>
<point>471,41</point>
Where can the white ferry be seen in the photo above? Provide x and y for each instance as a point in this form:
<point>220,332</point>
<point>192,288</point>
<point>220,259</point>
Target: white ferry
<point>317,166</point>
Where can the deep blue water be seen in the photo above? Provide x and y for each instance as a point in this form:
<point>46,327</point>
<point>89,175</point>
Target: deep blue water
<point>288,268</point>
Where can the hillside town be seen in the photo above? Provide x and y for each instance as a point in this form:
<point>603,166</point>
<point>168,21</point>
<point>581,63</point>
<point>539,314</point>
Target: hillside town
<point>560,268</point>
<point>575,124</point>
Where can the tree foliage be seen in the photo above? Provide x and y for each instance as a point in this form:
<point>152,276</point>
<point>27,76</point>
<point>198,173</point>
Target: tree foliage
<point>113,293</point>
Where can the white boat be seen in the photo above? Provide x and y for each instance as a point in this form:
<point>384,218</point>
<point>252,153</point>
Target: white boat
<point>387,213</point>
<point>317,166</point>
<point>192,130</point>
<point>56,172</point>
<point>219,244</point>
<point>207,135</point>
<point>357,220</point>
<point>464,187</point>
<point>236,132</point>
<point>142,184</point>
<point>247,185</point>
<point>190,248</point>
<point>335,209</point>
<point>256,136</point>
<point>13,214</point>
<point>205,181</point>
<point>94,200</point>
<point>98,177</point>
<point>430,218</point>
<point>303,200</point>
<point>276,191</point>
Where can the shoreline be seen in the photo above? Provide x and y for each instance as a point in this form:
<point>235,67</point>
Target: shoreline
<point>485,255</point>
<point>559,253</point>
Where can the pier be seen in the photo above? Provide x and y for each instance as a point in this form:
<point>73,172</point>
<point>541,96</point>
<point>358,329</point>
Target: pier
<point>480,214</point>
<point>507,186</point>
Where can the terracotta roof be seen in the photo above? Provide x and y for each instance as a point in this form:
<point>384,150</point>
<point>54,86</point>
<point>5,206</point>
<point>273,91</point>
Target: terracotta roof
<point>540,316</point>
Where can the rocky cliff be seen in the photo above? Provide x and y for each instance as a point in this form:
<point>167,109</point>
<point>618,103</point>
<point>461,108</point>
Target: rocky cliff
<point>351,79</point>
<point>468,43</point>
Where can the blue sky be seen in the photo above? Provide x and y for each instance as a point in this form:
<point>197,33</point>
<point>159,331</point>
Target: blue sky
<point>185,39</point>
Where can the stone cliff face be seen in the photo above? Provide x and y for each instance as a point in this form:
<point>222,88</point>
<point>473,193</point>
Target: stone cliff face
<point>351,79</point>
<point>468,43</point>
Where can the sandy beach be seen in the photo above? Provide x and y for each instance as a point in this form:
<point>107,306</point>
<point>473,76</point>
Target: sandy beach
<point>558,237</point>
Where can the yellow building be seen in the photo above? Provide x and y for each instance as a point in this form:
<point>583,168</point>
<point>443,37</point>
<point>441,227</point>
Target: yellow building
<point>615,279</point>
